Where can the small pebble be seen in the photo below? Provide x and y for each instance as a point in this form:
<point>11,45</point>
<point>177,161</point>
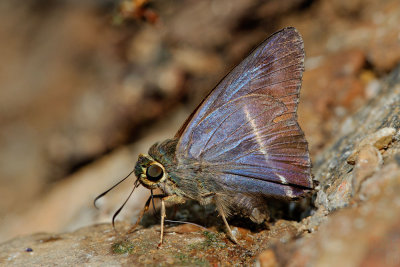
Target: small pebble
<point>369,161</point>
<point>380,139</point>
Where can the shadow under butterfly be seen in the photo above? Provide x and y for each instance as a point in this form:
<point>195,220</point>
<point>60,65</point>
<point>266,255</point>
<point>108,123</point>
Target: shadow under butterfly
<point>242,146</point>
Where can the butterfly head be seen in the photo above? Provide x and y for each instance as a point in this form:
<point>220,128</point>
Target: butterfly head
<point>149,172</point>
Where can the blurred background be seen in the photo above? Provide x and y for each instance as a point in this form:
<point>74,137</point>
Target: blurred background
<point>85,86</point>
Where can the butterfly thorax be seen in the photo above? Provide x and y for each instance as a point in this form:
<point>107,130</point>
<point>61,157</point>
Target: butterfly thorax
<point>188,179</point>
<point>154,169</point>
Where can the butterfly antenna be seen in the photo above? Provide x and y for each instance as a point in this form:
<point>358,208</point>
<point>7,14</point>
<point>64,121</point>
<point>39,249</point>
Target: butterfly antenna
<point>173,221</point>
<point>108,190</point>
<point>123,205</point>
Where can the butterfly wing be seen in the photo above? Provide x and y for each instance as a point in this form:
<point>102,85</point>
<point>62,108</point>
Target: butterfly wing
<point>247,129</point>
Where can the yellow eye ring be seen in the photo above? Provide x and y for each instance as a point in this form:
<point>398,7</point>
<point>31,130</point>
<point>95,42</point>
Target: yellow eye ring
<point>155,172</point>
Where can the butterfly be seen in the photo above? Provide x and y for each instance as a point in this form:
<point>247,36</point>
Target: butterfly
<point>242,146</point>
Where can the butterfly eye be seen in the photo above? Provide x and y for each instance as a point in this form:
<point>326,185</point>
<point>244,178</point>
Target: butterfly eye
<point>154,172</point>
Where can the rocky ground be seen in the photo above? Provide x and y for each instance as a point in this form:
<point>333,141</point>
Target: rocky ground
<point>87,87</point>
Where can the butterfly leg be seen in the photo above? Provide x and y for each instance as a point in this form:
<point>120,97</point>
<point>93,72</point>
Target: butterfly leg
<point>146,208</point>
<point>170,199</point>
<point>163,215</point>
<point>230,234</point>
<point>221,212</point>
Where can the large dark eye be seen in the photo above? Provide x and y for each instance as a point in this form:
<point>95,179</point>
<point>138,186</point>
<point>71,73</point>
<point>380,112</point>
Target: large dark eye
<point>154,172</point>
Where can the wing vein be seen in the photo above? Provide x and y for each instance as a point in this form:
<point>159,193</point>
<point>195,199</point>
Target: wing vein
<point>237,129</point>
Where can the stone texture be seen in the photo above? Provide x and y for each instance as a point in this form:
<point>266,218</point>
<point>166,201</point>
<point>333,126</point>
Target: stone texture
<point>331,167</point>
<point>369,161</point>
<point>364,234</point>
<point>380,140</point>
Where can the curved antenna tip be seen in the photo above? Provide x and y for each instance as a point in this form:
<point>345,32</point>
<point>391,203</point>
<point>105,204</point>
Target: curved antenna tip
<point>108,190</point>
